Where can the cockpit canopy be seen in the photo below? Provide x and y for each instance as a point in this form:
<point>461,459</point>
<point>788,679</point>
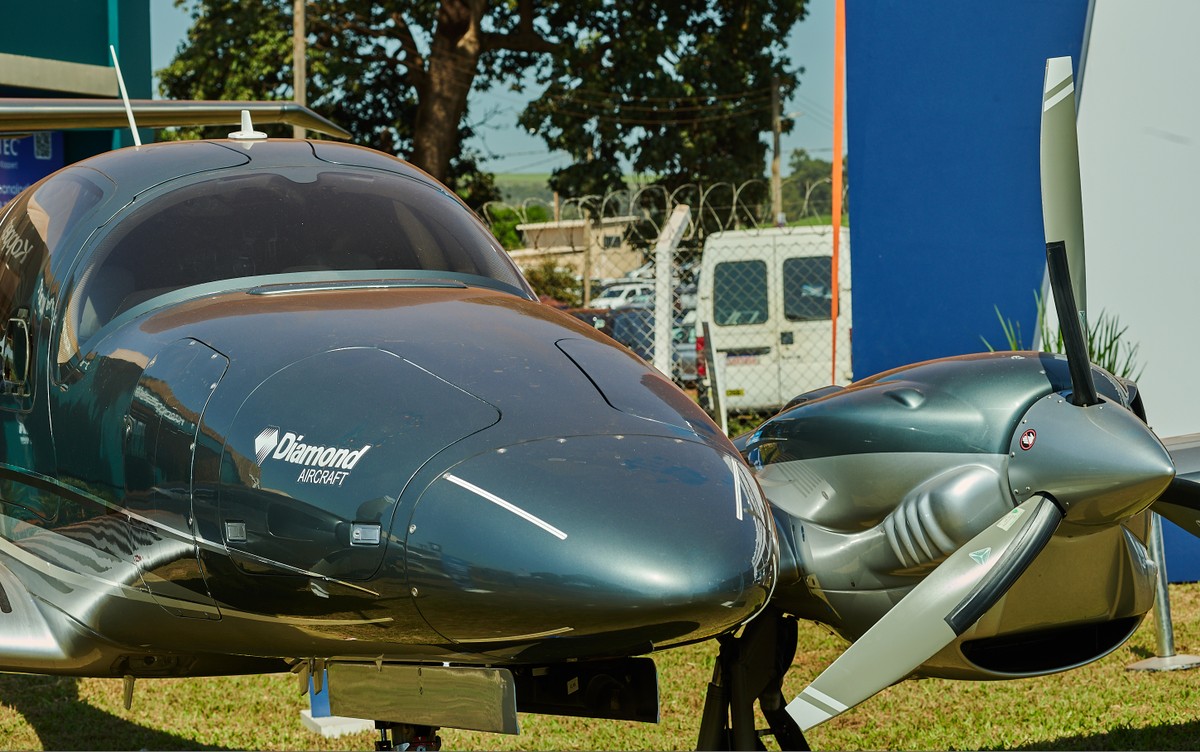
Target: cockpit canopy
<point>241,224</point>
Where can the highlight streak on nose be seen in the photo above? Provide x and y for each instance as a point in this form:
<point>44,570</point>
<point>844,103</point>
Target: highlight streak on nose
<point>506,505</point>
<point>738,480</point>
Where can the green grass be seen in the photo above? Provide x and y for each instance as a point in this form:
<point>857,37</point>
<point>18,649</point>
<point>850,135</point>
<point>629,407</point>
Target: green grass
<point>1101,706</point>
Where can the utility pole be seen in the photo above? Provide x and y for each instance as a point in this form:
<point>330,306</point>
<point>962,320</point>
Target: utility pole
<point>299,68</point>
<point>776,180</point>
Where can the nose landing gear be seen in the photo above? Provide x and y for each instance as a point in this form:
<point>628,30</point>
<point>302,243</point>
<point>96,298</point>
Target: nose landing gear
<point>406,738</point>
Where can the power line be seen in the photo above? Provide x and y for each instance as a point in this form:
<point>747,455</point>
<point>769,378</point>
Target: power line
<point>745,112</point>
<point>674,108</point>
<point>607,96</point>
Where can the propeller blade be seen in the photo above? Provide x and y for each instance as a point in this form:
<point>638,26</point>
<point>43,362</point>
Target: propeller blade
<point>1180,503</point>
<point>1062,202</point>
<point>1083,386</point>
<point>1062,215</point>
<point>934,613</point>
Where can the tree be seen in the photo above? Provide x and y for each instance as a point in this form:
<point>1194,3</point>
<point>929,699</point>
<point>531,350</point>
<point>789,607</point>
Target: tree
<point>680,88</point>
<point>503,221</point>
<point>553,283</point>
<point>807,192</point>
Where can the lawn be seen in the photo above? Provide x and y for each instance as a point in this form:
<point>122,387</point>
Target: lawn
<point>1101,706</point>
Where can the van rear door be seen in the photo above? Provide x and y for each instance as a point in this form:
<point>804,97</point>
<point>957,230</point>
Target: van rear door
<point>804,329</point>
<point>805,268</point>
<point>744,326</point>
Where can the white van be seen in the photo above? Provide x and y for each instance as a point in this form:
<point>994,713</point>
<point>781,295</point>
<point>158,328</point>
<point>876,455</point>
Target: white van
<point>767,296</point>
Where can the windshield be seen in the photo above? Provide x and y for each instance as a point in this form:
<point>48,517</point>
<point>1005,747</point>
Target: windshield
<point>279,222</point>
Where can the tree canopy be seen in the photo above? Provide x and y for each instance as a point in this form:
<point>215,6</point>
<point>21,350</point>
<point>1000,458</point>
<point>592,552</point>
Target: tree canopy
<point>808,189</point>
<point>680,89</point>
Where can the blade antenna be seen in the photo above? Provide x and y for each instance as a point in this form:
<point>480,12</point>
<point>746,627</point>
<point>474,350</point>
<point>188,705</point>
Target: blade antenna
<point>137,139</point>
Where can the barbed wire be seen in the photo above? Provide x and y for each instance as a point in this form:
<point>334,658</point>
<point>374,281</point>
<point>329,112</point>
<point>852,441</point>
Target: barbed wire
<point>715,207</point>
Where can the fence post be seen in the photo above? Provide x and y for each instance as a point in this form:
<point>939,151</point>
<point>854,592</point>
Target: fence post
<point>664,310</point>
<point>716,380</point>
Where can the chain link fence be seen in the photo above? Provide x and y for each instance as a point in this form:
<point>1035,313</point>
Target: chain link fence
<point>766,294</point>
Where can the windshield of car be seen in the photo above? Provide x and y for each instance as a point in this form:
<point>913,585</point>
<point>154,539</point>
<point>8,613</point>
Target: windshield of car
<point>284,221</point>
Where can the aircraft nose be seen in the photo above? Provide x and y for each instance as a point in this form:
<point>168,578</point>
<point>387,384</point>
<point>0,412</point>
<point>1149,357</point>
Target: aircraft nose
<point>1101,463</point>
<point>607,544</point>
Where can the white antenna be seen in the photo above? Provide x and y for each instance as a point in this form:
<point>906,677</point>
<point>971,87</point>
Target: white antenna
<point>247,133</point>
<point>137,139</point>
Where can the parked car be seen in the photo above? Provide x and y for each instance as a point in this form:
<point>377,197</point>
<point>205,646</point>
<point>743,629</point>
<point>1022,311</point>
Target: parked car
<point>615,296</point>
<point>594,317</point>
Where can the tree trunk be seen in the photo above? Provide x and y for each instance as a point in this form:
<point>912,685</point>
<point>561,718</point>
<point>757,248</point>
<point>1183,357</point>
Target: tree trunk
<point>442,99</point>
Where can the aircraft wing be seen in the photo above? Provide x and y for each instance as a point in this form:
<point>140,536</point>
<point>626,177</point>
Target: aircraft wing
<point>1180,503</point>
<point>29,115</point>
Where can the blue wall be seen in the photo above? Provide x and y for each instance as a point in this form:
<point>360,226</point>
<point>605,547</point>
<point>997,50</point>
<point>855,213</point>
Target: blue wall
<point>943,116</point>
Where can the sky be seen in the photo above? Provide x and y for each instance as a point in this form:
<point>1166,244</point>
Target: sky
<point>508,148</point>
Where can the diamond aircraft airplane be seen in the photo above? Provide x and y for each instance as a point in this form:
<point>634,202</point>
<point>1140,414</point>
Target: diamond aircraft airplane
<point>282,405</point>
<point>981,517</point>
<point>279,404</point>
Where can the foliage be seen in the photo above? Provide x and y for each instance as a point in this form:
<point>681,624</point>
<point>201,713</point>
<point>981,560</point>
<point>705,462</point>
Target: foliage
<point>519,187</point>
<point>1106,342</point>
<point>808,188</point>
<point>682,92</point>
<point>1100,706</point>
<point>504,220</point>
<point>551,281</point>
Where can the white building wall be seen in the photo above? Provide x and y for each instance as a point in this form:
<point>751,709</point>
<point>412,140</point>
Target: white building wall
<point>1139,141</point>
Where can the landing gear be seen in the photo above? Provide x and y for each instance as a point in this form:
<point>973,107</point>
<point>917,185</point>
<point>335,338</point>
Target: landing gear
<point>751,667</point>
<point>402,736</point>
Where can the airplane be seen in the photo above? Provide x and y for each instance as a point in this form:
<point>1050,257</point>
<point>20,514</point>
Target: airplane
<point>286,405</point>
<point>236,511</point>
<point>979,517</point>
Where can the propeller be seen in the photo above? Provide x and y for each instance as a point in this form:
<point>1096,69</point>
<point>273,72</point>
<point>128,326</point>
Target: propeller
<point>1083,387</point>
<point>1062,216</point>
<point>1062,202</point>
<point>933,614</point>
<point>976,576</point>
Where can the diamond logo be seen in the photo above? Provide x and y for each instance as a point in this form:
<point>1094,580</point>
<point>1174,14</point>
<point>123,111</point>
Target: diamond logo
<point>266,442</point>
<point>981,556</point>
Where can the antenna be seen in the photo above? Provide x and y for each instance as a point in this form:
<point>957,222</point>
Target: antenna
<point>137,139</point>
<point>247,133</point>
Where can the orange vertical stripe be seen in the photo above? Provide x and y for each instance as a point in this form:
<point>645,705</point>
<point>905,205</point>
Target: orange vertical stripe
<point>839,96</point>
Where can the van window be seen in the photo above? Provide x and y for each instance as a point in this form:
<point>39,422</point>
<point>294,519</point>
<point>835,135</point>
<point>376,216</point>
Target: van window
<point>807,288</point>
<point>740,293</point>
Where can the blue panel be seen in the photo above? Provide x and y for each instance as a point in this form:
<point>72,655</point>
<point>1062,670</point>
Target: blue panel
<point>24,161</point>
<point>943,117</point>
<point>943,113</point>
<point>1183,553</point>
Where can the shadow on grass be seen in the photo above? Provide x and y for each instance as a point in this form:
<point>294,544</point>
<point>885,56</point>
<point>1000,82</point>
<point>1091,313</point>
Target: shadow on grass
<point>1166,736</point>
<point>61,720</point>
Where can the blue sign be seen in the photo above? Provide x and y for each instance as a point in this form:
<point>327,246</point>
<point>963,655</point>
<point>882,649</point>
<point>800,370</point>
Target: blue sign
<point>26,160</point>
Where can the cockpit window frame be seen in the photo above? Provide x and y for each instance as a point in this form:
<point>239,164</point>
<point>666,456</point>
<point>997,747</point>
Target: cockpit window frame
<point>69,346</point>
